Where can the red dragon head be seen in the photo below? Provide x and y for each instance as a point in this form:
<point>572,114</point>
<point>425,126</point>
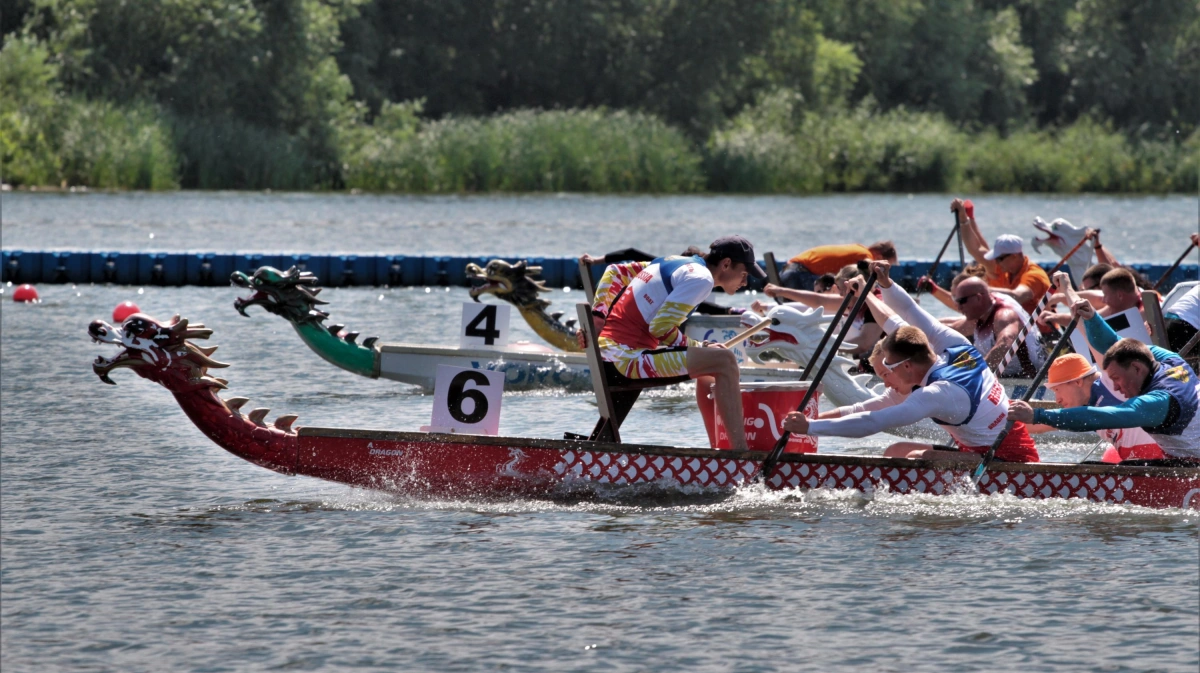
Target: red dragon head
<point>158,351</point>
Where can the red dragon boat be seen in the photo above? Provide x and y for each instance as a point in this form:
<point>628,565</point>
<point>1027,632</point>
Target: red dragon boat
<point>485,466</point>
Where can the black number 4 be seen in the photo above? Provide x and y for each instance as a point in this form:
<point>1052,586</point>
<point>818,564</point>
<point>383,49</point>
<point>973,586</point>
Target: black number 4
<point>489,332</point>
<point>457,395</point>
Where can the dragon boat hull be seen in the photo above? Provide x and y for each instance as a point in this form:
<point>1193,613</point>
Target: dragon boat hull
<point>484,466</point>
<point>523,369</point>
<point>167,353</point>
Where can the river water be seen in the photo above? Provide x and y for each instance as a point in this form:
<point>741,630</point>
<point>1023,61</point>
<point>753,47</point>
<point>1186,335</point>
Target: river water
<point>129,542</point>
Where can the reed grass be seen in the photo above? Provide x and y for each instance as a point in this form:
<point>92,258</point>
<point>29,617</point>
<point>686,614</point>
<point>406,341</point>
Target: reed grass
<point>227,153</point>
<point>526,151</point>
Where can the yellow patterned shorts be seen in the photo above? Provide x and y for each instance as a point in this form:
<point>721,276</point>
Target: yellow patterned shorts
<point>644,363</point>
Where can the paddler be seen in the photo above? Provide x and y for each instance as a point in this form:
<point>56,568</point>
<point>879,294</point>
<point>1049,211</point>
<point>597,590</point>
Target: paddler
<point>864,332</point>
<point>1009,269</point>
<point>993,321</point>
<point>1160,388</point>
<point>1075,382</point>
<point>638,319</point>
<point>931,371</point>
<point>802,271</point>
<point>706,307</point>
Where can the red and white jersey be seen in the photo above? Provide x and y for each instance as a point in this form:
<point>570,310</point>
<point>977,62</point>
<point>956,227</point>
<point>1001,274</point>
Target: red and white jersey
<point>649,310</point>
<point>1132,443</point>
<point>985,336</point>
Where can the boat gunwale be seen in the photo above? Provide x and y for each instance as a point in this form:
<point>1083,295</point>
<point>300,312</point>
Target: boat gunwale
<point>967,463</point>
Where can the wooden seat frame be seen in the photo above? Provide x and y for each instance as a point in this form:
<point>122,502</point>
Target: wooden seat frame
<point>615,393</point>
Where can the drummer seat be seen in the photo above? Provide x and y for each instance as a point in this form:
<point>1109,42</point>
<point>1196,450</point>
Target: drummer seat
<point>615,393</point>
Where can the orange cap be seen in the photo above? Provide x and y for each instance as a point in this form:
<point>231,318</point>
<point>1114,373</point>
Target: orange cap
<point>1067,368</point>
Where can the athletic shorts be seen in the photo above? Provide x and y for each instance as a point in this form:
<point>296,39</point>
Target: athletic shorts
<point>1017,447</point>
<point>644,363</point>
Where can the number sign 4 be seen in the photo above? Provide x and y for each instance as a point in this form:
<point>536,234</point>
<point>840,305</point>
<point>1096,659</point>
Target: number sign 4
<point>466,400</point>
<point>484,325</point>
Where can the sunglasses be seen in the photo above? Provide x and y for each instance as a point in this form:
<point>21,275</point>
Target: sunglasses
<point>1001,258</point>
<point>892,368</point>
<point>962,300</point>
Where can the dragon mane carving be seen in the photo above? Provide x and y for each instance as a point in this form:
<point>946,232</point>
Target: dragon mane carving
<point>517,285</point>
<point>164,353</point>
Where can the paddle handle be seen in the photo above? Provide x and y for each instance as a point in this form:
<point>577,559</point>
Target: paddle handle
<point>1068,256</point>
<point>753,330</point>
<point>938,260</point>
<point>1174,266</point>
<point>825,337</point>
<point>768,465</point>
<point>772,272</point>
<point>1033,386</point>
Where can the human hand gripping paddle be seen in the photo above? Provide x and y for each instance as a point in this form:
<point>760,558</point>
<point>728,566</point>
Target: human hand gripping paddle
<point>753,330</point>
<point>1016,344</point>
<point>938,260</point>
<point>1033,386</point>
<point>768,465</point>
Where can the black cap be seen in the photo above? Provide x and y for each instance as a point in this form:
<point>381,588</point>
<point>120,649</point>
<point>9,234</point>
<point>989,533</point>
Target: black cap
<point>738,249</point>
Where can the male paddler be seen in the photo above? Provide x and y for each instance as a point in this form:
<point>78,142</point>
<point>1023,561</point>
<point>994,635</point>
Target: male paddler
<point>1159,386</point>
<point>638,319</point>
<point>931,371</point>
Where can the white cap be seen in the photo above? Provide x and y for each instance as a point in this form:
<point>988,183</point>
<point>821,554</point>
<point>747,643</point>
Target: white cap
<point>1005,245</point>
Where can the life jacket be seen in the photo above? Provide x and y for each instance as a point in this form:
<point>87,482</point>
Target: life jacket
<point>636,305</point>
<point>1029,352</point>
<point>1130,443</point>
<point>965,367</point>
<point>1179,433</point>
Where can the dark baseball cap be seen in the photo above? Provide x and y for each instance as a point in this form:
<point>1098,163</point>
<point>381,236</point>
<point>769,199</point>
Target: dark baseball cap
<point>738,249</point>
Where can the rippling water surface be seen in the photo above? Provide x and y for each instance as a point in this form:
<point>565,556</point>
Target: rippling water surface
<point>130,542</point>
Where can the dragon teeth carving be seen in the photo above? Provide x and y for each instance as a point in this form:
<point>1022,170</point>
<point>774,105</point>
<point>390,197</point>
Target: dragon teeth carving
<point>369,342</point>
<point>335,328</point>
<point>351,337</point>
<point>257,415</point>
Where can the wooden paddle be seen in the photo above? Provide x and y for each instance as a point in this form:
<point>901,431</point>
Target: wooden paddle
<point>772,272</point>
<point>1033,386</point>
<point>768,465</point>
<point>753,330</point>
<point>938,260</point>
<point>1016,344</point>
<point>1174,266</point>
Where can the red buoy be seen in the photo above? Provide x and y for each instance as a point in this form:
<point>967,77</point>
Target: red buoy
<point>124,310</point>
<point>26,293</point>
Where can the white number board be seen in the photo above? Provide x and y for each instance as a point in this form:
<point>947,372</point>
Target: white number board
<point>484,325</point>
<point>466,401</point>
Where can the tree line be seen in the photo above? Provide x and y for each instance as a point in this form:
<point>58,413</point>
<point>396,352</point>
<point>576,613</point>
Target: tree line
<point>300,93</point>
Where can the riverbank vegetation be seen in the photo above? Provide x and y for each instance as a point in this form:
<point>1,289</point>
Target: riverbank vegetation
<point>781,96</point>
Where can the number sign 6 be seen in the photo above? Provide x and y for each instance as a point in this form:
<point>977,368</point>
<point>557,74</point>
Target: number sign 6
<point>484,325</point>
<point>466,401</point>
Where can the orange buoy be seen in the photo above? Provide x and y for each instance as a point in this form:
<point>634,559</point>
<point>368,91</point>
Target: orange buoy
<point>124,310</point>
<point>26,293</point>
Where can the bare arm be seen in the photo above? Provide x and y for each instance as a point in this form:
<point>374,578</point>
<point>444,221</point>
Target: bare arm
<point>973,240</point>
<point>1103,256</point>
<point>829,302</point>
<point>1006,333</point>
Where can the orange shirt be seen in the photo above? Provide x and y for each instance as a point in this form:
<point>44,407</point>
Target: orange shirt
<point>1030,275</point>
<point>831,258</point>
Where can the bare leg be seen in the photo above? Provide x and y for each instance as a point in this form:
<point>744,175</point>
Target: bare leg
<point>721,364</point>
<point>705,403</point>
<point>923,451</point>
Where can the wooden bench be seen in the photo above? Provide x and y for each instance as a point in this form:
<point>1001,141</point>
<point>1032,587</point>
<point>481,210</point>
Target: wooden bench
<point>615,393</point>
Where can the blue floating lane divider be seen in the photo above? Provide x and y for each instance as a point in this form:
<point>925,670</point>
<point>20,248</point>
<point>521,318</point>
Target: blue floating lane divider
<point>214,268</point>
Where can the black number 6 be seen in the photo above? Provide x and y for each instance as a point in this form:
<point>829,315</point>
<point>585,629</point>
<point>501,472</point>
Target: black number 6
<point>457,395</point>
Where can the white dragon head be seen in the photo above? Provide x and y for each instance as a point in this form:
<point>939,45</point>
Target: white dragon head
<point>1061,236</point>
<point>795,338</point>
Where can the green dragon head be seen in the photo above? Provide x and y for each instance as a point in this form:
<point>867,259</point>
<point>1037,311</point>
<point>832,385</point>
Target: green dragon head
<point>289,294</point>
<point>514,283</point>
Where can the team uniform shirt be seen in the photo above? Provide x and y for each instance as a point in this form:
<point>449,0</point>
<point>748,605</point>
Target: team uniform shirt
<point>1187,308</point>
<point>642,332</point>
<point>1129,443</point>
<point>825,259</point>
<point>1030,275</point>
<point>959,393</point>
<point>1166,408</point>
<point>1029,353</point>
